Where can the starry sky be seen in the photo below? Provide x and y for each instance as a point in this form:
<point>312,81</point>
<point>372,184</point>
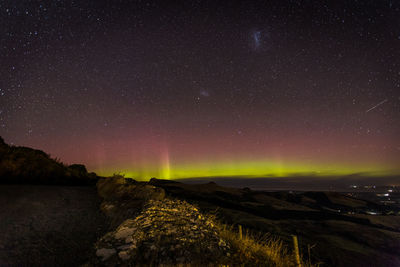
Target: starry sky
<point>176,89</point>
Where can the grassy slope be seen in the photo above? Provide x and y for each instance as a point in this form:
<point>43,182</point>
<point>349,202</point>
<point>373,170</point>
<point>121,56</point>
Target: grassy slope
<point>340,240</point>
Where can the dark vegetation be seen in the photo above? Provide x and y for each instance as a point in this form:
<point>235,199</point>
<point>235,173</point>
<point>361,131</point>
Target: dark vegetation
<point>23,165</point>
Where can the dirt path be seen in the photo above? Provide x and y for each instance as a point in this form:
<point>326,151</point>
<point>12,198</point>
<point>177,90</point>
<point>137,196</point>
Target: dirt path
<point>48,225</point>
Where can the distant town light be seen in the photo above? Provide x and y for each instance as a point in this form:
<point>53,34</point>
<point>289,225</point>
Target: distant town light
<point>382,195</point>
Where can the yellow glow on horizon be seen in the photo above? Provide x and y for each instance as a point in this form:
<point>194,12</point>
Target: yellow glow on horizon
<point>262,168</point>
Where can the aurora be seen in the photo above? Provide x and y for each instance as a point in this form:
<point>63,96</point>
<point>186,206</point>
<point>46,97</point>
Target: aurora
<point>245,91</point>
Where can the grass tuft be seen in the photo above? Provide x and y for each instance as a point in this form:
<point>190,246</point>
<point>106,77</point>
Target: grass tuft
<point>255,249</point>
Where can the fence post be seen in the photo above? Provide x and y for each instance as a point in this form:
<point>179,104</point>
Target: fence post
<point>296,250</point>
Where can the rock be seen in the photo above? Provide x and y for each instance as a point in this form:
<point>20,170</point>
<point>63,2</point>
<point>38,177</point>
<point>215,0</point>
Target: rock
<point>150,229</point>
<point>124,247</point>
<point>124,232</point>
<point>167,232</point>
<point>124,255</point>
<point>124,189</point>
<point>124,198</point>
<point>108,207</point>
<point>107,186</point>
<point>105,253</point>
<point>129,239</point>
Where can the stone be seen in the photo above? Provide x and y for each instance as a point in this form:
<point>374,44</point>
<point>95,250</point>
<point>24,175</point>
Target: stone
<point>168,227</point>
<point>108,207</point>
<point>124,232</point>
<point>124,255</point>
<point>124,247</point>
<point>105,253</point>
<point>129,239</point>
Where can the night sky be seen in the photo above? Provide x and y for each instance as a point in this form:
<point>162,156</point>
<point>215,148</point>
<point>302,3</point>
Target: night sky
<point>200,88</point>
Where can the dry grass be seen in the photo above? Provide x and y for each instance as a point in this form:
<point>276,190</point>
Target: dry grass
<point>253,249</point>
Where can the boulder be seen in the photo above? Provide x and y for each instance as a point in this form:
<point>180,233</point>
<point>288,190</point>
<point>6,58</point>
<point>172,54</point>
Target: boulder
<point>124,198</point>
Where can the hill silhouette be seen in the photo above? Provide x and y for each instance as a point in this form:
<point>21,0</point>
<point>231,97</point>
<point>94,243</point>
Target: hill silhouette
<point>24,165</point>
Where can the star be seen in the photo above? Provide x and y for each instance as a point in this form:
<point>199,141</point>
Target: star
<point>204,93</point>
<point>257,39</point>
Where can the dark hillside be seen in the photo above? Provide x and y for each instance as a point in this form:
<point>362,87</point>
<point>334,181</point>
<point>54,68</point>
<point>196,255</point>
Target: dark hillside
<point>23,165</point>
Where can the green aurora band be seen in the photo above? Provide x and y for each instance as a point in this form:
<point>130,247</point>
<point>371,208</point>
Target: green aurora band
<point>246,169</point>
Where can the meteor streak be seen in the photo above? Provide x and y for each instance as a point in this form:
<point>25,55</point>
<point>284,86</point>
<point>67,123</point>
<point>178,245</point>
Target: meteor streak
<point>377,105</point>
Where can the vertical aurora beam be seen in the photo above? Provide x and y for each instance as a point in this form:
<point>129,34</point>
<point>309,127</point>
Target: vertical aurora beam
<point>165,171</point>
